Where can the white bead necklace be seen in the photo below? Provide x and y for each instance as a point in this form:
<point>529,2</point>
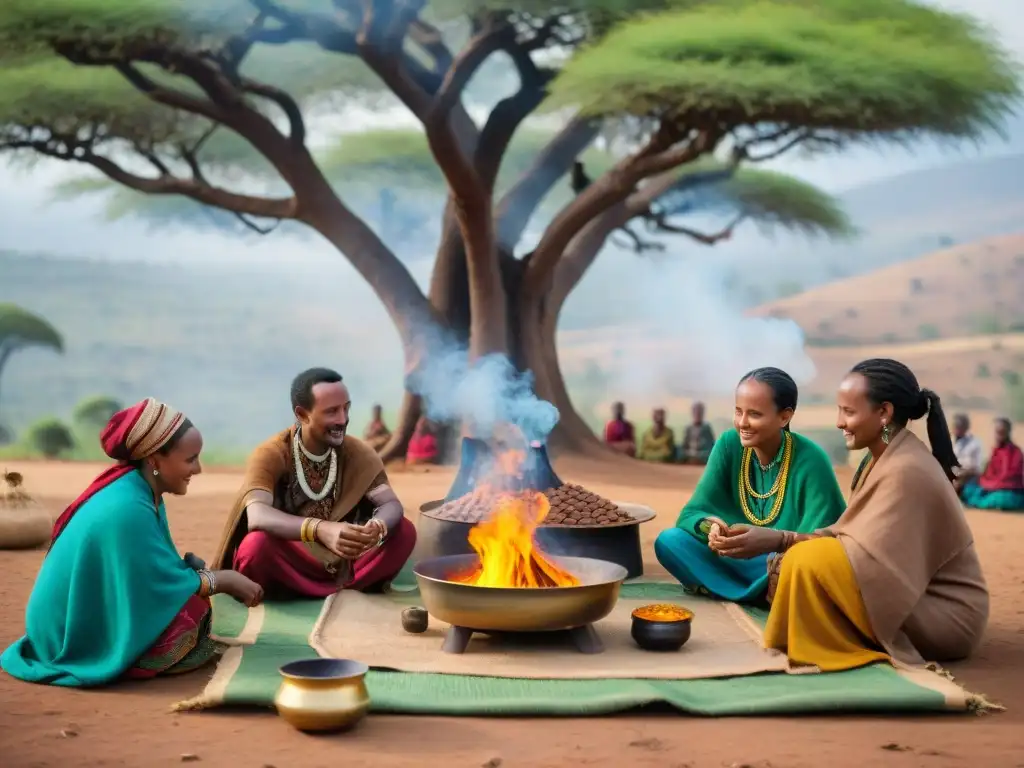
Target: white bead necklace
<point>300,473</point>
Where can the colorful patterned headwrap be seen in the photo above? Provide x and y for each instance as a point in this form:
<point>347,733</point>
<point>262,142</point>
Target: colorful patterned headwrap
<point>140,431</point>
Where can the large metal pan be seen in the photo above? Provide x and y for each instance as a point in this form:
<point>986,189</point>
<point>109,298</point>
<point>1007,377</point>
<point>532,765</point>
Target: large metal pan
<point>513,609</point>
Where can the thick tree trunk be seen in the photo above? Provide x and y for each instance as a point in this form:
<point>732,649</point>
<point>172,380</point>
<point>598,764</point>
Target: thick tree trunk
<point>531,348</point>
<point>6,350</point>
<point>536,351</point>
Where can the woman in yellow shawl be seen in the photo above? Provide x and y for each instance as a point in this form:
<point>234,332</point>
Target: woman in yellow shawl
<point>897,577</point>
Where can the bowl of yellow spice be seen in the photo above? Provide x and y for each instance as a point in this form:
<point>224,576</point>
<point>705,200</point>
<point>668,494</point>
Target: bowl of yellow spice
<point>661,626</point>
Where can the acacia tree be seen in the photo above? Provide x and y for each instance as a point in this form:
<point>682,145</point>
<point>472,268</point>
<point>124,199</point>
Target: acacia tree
<point>21,329</point>
<point>135,89</point>
<point>400,158</point>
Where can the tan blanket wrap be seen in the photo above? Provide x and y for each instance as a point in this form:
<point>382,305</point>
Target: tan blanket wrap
<point>913,553</point>
<point>271,462</point>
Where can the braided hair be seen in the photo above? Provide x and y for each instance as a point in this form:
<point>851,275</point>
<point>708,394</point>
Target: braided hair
<point>890,381</point>
<point>784,389</point>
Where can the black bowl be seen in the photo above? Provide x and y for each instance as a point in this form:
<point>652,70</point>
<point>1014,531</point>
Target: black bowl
<point>660,635</point>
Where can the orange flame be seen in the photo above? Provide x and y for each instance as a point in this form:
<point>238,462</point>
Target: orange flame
<point>509,556</point>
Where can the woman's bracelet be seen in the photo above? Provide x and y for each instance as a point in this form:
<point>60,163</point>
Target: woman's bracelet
<point>207,583</point>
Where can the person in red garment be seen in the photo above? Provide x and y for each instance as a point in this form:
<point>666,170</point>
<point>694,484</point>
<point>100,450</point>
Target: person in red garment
<point>315,512</point>
<point>619,434</point>
<point>423,444</point>
<point>1001,485</point>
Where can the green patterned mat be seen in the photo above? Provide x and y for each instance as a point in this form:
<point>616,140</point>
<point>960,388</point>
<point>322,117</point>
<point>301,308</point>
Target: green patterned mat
<point>277,633</point>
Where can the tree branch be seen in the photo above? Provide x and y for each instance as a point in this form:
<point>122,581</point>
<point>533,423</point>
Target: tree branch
<point>387,67</point>
<point>616,185</point>
<point>799,137</point>
<point>429,38</point>
<point>518,205</point>
<point>465,65</point>
<point>284,100</point>
<point>708,239</point>
<point>499,130</point>
<point>169,97</point>
<point>72,149</point>
<point>319,28</point>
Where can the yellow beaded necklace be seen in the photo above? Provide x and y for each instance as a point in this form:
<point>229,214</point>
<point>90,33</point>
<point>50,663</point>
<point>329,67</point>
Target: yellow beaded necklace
<point>778,489</point>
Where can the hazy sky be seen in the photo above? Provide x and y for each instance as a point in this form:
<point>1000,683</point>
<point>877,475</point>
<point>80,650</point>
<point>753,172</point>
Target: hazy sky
<point>655,289</point>
<point>29,221</point>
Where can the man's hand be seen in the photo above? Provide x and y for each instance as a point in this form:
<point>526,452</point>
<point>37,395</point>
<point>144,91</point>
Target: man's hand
<point>346,540</point>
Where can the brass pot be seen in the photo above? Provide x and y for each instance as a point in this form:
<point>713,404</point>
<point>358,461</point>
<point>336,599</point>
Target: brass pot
<point>319,695</point>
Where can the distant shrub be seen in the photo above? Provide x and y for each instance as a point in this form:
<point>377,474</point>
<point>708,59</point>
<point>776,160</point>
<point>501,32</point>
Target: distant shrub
<point>890,337</point>
<point>7,435</point>
<point>788,288</point>
<point>1015,401</point>
<point>51,437</point>
<point>94,412</point>
<point>1010,378</point>
<point>986,324</point>
<point>916,285</point>
<point>831,341</point>
<point>851,312</point>
<point>983,371</point>
<point>928,332</point>
<point>975,402</point>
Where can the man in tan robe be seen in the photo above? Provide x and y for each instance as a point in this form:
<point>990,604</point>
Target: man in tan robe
<point>315,512</point>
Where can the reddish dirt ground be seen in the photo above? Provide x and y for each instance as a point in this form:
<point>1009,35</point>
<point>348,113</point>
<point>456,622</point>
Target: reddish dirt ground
<point>129,724</point>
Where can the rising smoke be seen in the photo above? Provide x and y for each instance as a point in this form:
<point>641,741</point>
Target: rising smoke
<point>483,395</point>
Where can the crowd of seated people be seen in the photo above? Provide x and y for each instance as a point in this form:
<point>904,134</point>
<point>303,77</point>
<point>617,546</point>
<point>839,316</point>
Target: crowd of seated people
<point>887,572</point>
<point>658,443</point>
<point>997,484</point>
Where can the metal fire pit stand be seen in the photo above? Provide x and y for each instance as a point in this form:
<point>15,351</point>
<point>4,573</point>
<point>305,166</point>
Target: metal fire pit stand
<point>585,638</point>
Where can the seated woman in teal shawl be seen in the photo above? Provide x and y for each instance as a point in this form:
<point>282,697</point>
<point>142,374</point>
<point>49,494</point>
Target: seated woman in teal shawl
<point>759,475</point>
<point>114,598</point>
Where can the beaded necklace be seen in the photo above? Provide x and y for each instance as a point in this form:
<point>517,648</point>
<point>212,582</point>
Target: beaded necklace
<point>332,472</point>
<point>778,489</point>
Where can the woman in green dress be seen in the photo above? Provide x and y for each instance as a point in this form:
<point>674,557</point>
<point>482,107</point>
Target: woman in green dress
<point>759,475</point>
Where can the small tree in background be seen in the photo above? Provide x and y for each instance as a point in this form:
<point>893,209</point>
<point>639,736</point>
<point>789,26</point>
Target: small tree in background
<point>20,329</point>
<point>138,89</point>
<point>93,413</point>
<point>51,437</point>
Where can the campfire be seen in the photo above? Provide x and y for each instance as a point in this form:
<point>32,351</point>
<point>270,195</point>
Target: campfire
<point>509,584</point>
<point>508,552</point>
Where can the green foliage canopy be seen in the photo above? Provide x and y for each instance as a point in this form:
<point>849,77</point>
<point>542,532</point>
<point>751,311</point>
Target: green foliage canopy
<point>868,68</point>
<point>20,328</point>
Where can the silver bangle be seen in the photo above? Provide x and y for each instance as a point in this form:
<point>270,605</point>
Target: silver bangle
<point>211,578</point>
